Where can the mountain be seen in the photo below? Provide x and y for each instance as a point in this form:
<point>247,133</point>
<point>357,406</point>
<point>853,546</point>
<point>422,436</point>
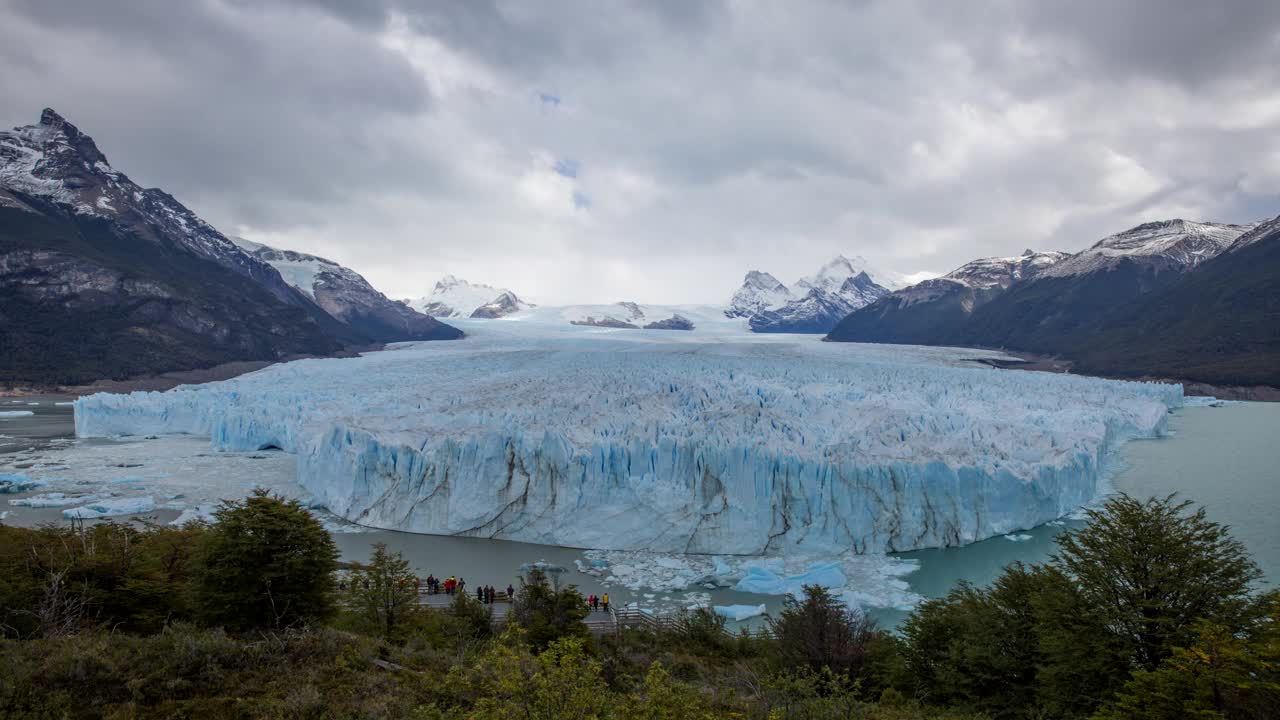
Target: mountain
<point>1176,299</point>
<point>759,292</point>
<point>1219,323</point>
<point>1060,307</point>
<point>101,278</point>
<point>933,311</point>
<point>455,297</point>
<point>814,305</point>
<point>347,296</point>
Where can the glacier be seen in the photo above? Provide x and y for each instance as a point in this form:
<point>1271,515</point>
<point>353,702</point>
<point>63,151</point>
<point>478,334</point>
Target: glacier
<point>713,442</point>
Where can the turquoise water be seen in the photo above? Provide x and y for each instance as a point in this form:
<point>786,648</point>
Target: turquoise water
<point>1225,458</point>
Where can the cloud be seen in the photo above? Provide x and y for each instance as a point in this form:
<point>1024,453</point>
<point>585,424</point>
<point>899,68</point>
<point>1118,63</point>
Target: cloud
<point>595,151</point>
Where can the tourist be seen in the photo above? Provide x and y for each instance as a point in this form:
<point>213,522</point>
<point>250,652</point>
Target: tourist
<point>462,584</point>
<point>511,593</point>
<point>591,601</point>
<point>605,601</point>
<point>480,593</point>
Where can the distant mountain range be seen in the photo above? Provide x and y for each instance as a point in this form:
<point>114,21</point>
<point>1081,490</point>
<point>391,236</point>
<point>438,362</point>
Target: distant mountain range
<point>815,304</point>
<point>103,279</point>
<point>347,296</point>
<point>1174,299</point>
<point>454,297</point>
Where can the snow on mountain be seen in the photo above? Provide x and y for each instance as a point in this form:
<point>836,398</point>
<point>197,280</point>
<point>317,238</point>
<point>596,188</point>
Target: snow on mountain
<point>628,315</point>
<point>1001,272</point>
<point>760,291</point>
<point>53,160</point>
<point>347,296</point>
<point>1176,244</point>
<point>102,278</point>
<point>815,303</point>
<point>574,436</point>
<point>454,297</point>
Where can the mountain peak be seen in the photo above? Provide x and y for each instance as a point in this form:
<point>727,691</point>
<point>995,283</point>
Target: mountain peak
<point>50,118</point>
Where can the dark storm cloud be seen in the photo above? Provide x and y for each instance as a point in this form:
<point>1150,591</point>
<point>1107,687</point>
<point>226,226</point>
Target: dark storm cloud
<point>657,150</point>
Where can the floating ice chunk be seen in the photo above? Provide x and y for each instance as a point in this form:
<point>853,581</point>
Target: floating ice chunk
<point>53,499</point>
<point>15,413</point>
<point>763,580</point>
<point>4,514</point>
<point>17,483</point>
<point>63,404</point>
<point>112,507</point>
<point>739,612</point>
<point>1017,537</point>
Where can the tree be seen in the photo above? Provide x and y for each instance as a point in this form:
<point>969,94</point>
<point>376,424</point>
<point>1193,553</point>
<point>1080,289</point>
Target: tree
<point>1222,675</point>
<point>1152,569</point>
<point>383,592</point>
<point>548,612</point>
<point>820,631</point>
<point>265,563</point>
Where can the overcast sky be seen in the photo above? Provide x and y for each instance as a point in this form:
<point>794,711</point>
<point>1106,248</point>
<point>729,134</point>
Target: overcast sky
<point>656,151</point>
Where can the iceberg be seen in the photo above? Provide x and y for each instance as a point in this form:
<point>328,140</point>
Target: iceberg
<point>700,444</point>
<point>113,507</point>
<point>53,499</point>
<point>765,579</point>
<point>12,483</point>
<point>15,413</point>
<point>739,612</point>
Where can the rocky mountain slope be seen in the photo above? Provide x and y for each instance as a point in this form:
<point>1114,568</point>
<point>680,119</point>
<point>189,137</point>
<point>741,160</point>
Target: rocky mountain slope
<point>1055,311</point>
<point>347,296</point>
<point>1219,323</point>
<point>935,311</point>
<point>1177,299</point>
<point>454,297</point>
<point>815,304</point>
<point>103,279</point>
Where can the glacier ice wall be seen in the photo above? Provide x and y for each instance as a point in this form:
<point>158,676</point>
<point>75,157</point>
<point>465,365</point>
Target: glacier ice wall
<point>711,445</point>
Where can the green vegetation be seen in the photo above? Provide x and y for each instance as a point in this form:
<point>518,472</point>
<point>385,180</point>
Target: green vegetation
<point>265,564</point>
<point>1145,613</point>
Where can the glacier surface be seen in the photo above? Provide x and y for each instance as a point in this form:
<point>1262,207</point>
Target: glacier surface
<point>709,442</point>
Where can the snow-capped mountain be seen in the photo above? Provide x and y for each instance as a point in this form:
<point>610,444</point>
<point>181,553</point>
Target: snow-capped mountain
<point>760,291</point>
<point>101,278</point>
<point>813,305</point>
<point>1175,299</point>
<point>57,163</point>
<point>985,273</point>
<point>930,312</point>
<point>1164,245</point>
<point>454,297</point>
<point>627,315</point>
<point>347,296</point>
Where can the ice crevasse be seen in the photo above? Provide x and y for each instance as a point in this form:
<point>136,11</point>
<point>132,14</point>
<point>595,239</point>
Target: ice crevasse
<point>717,447</point>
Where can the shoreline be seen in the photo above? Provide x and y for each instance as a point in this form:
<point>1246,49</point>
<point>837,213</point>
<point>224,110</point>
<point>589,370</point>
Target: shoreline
<point>1044,363</point>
